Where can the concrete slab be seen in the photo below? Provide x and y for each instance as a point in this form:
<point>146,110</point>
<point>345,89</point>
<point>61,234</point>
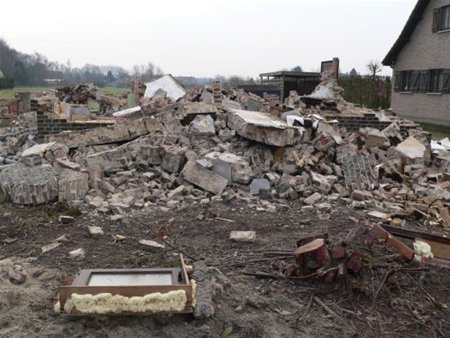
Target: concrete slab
<point>412,148</point>
<point>204,178</point>
<point>233,167</point>
<point>259,184</point>
<point>263,128</point>
<point>167,83</point>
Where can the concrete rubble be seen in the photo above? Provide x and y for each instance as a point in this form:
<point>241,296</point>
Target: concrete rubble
<point>168,84</point>
<point>179,147</point>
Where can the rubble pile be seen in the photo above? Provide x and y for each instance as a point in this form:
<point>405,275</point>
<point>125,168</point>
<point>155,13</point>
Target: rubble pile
<point>316,149</point>
<point>79,94</point>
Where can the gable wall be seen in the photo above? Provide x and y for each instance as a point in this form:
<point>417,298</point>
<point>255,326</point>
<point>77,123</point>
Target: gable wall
<point>425,50</point>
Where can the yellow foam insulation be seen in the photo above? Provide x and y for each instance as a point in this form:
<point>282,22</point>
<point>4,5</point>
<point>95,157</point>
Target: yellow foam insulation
<point>422,250</point>
<point>173,301</point>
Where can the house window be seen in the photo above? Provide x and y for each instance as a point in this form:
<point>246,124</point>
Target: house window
<point>441,19</point>
<point>445,18</point>
<point>435,80</point>
<point>405,81</point>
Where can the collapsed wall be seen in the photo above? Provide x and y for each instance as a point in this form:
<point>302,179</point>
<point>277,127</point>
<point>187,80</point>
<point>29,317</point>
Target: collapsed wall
<point>310,149</point>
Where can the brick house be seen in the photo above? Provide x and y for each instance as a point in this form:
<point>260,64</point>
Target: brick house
<point>420,59</point>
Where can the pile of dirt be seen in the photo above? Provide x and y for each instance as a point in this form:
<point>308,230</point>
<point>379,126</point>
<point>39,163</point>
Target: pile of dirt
<point>245,306</point>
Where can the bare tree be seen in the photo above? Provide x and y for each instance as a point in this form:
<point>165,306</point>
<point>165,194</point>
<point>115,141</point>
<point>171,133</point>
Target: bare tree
<point>297,69</point>
<point>374,67</point>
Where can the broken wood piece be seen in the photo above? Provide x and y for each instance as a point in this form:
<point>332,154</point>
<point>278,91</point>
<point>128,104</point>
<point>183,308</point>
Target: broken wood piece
<point>325,307</point>
<point>430,297</point>
<point>309,247</point>
<point>440,246</point>
<point>445,216</point>
<point>262,275</point>
<point>401,247</point>
<point>312,255</point>
<point>225,219</point>
<point>299,163</point>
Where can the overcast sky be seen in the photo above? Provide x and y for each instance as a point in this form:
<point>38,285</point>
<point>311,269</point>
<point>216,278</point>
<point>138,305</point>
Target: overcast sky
<point>207,37</point>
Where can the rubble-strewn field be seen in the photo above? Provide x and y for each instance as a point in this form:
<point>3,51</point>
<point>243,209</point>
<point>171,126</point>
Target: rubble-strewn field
<point>8,94</point>
<point>282,209</point>
<point>246,306</point>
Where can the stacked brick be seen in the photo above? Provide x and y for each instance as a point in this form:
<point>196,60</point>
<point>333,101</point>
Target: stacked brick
<point>47,125</point>
<point>354,123</point>
<point>29,185</point>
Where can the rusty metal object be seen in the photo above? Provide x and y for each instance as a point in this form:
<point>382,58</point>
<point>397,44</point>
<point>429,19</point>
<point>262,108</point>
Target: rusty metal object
<point>399,246</point>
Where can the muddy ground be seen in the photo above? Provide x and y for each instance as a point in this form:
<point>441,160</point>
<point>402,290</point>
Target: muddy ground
<point>411,303</point>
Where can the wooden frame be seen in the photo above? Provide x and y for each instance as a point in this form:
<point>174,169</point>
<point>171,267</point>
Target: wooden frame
<point>180,281</point>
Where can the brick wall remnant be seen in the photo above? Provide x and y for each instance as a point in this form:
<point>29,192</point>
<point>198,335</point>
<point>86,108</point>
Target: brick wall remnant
<point>47,125</point>
<point>29,185</point>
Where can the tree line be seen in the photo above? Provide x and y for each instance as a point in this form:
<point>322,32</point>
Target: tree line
<point>371,90</point>
<point>20,69</point>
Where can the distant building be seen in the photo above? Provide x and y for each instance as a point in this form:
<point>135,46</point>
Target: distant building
<point>54,82</point>
<point>420,59</point>
<point>1,74</point>
<point>302,82</point>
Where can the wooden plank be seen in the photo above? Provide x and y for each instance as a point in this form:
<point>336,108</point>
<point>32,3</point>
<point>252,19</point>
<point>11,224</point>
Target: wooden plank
<point>82,278</point>
<point>411,234</point>
<point>439,250</point>
<point>79,285</point>
<point>186,310</point>
<point>401,247</point>
<point>184,271</point>
<point>440,246</point>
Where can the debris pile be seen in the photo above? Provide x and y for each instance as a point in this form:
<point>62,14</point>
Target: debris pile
<point>317,149</point>
<point>79,94</point>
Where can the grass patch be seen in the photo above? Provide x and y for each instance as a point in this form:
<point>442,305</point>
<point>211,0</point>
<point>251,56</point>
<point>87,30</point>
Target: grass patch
<point>438,132</point>
<point>8,94</point>
<point>114,91</point>
<point>38,212</point>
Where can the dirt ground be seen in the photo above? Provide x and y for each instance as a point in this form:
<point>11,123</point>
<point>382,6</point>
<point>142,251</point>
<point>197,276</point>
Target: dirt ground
<point>410,303</point>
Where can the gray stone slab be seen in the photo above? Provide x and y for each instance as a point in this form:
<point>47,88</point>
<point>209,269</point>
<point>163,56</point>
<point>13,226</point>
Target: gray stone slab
<point>259,184</point>
<point>262,128</point>
<point>204,178</point>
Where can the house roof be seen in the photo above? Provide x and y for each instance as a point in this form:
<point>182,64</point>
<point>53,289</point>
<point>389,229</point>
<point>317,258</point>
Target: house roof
<point>406,33</point>
<point>291,74</point>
